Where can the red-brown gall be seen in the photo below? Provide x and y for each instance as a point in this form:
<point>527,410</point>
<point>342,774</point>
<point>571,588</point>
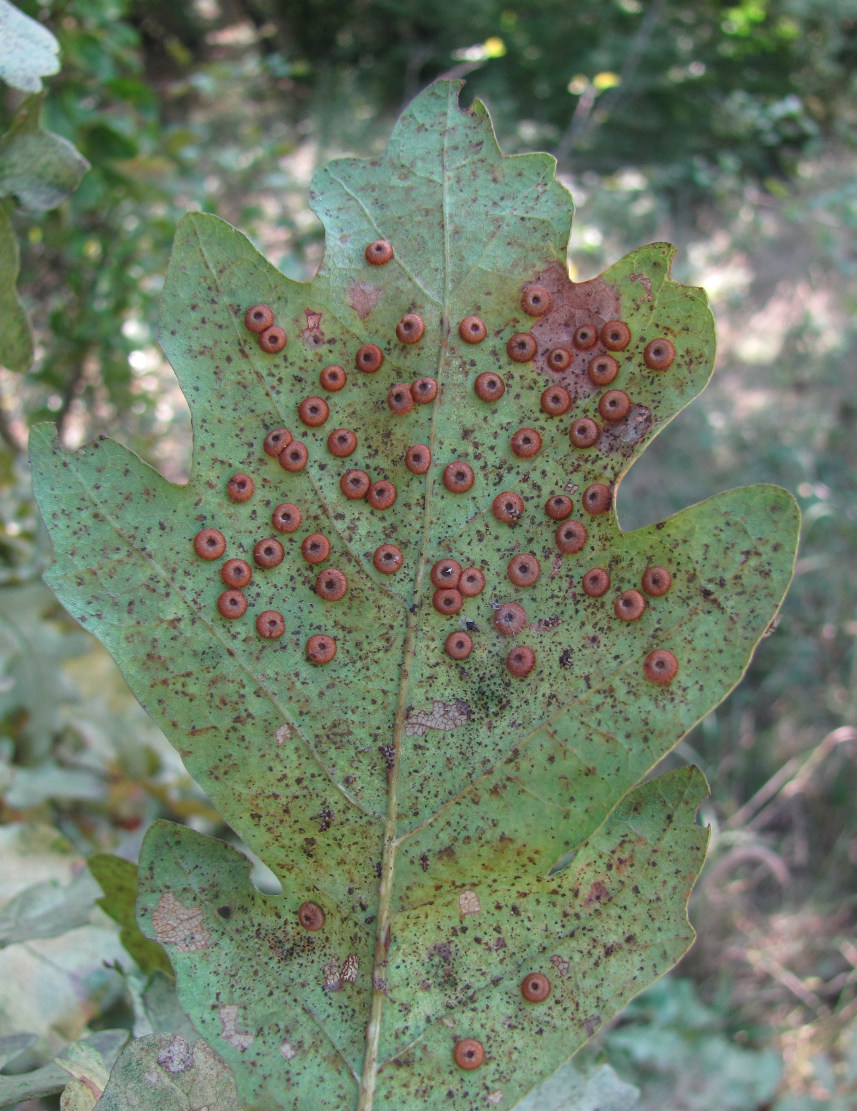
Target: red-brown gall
<point>535,988</point>
<point>656,581</point>
<point>614,405</point>
<point>313,411</point>
<point>236,573</point>
<point>508,507</point>
<point>535,300</point>
<point>660,667</point>
<point>286,517</point>
<point>615,335</point>
<point>524,569</point>
<point>341,442</point>
<point>520,661</point>
<point>602,370</point>
<point>378,253</point>
<point>354,484</point>
<point>310,916</point>
<point>240,487</point>
<point>387,559</point>
<point>596,499</point>
<point>276,441</point>
<point>446,572</point>
<point>555,401</point>
<point>315,548</point>
<point>571,537</point>
<point>272,340</point>
<point>258,317</point>
<point>418,459</point>
<point>294,457</point>
<point>584,337</point>
<point>424,390</point>
<point>489,386</point>
<point>521,347</point>
<point>332,378</point>
<point>558,507</point>
<point>472,329</point>
<point>526,443</point>
<point>210,543</point>
<point>268,552</point>
<point>411,328</point>
<point>447,601</point>
<point>472,582</point>
<point>559,359</point>
<point>320,649</point>
<point>659,354</point>
<point>232,603</point>
<point>369,358</point>
<point>468,1053</point>
<point>630,605</point>
<point>270,624</point>
<point>381,494</point>
<point>331,584</point>
<point>510,619</point>
<point>584,432</point>
<point>459,645</point>
<point>596,582</point>
<point>458,477</point>
<point>400,399</point>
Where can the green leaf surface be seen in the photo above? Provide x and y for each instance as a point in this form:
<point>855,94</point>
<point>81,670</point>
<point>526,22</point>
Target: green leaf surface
<point>16,339</point>
<point>39,170</point>
<point>117,878</point>
<point>423,804</point>
<point>28,51</point>
<point>170,1073</point>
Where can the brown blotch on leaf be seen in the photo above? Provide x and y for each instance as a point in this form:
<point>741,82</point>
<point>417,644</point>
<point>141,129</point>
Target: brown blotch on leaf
<point>526,443</point>
<point>458,477</point>
<point>400,399</point>
<point>614,405</point>
<point>521,347</point>
<point>381,494</point>
<point>240,487</point>
<point>630,605</point>
<point>276,441</point>
<point>472,582</point>
<point>232,603</point>
<point>510,619</point>
<point>459,645</point>
<point>520,661</point>
<point>489,386</point>
<point>446,572</point>
<point>418,459</point>
<point>310,916</point>
<point>535,300</point>
<point>571,537</point>
<point>236,573</point>
<point>315,548</point>
<point>313,411</point>
<point>379,252</point>
<point>331,584</point>
<point>602,370</point>
<point>584,337</point>
<point>332,378</point>
<point>320,649</point>
<point>595,582</point>
<point>559,359</point>
<point>468,1053</point>
<point>411,328</point>
<point>659,354</point>
<point>447,600</point>
<point>555,401</point>
<point>286,517</point>
<point>257,318</point>
<point>294,457</point>
<point>270,624</point>
<point>660,666</point>
<point>273,339</point>
<point>558,507</point>
<point>615,335</point>
<point>472,329</point>
<point>535,988</point>
<point>584,432</point>
<point>387,559</point>
<point>524,569</point>
<point>424,390</point>
<point>341,442</point>
<point>354,484</point>
<point>369,358</point>
<point>209,543</point>
<point>656,581</point>
<point>268,552</point>
<point>508,507</point>
<point>596,499</point>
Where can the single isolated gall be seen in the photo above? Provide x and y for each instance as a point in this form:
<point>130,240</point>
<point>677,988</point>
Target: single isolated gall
<point>286,517</point>
<point>489,387</point>
<point>354,484</point>
<point>369,358</point>
<point>276,441</point>
<point>521,347</point>
<point>508,507</point>
<point>471,583</point>
<point>559,359</point>
<point>272,340</point>
<point>630,605</point>
<point>313,411</point>
<point>510,619</point>
<point>558,507</point>
<point>257,318</point>
<point>210,543</point>
<point>614,405</point>
<point>378,253</point>
<point>418,459</point>
<point>381,494</point>
<point>585,336</point>
<point>602,370</point>
<point>458,477</point>
<point>656,581</point>
<point>331,585</point>
<point>520,661</point>
<point>387,559</point>
<point>596,582</point>
<point>320,649</point>
<point>270,624</point>
<point>341,442</point>
<point>468,1053</point>
<point>400,400</point>
<point>615,335</point>
<point>268,553</point>
<point>472,329</point>
<point>459,645</point>
<point>232,603</point>
<point>332,378</point>
<point>240,487</point>
<point>526,443</point>
<point>660,666</point>
<point>571,537</point>
<point>294,457</point>
<point>555,401</point>
<point>424,390</point>
<point>596,499</point>
<point>523,569</point>
<point>535,300</point>
<point>310,916</point>
<point>236,573</point>
<point>315,548</point>
<point>659,354</point>
<point>411,328</point>
<point>584,432</point>
<point>535,988</point>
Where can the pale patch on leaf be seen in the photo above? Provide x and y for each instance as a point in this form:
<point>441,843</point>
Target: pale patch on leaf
<point>179,925</point>
<point>443,716</point>
<point>468,902</point>
<point>177,1056</point>
<point>229,1031</point>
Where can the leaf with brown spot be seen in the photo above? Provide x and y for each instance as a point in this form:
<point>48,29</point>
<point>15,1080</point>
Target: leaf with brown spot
<point>390,783</point>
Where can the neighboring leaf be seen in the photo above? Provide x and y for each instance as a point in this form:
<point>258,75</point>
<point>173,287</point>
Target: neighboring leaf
<point>28,51</point>
<point>117,878</point>
<point>13,1046</point>
<point>53,1077</point>
<point>38,169</point>
<point>422,804</point>
<point>87,1067</point>
<point>572,1089</point>
<point>170,1073</point>
<point>48,909</point>
<point>16,339</point>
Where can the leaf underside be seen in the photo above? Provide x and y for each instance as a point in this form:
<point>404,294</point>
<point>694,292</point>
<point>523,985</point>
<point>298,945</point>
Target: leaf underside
<point>419,801</point>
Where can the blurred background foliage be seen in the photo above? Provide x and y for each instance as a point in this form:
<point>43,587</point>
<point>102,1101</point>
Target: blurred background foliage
<point>724,127</point>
